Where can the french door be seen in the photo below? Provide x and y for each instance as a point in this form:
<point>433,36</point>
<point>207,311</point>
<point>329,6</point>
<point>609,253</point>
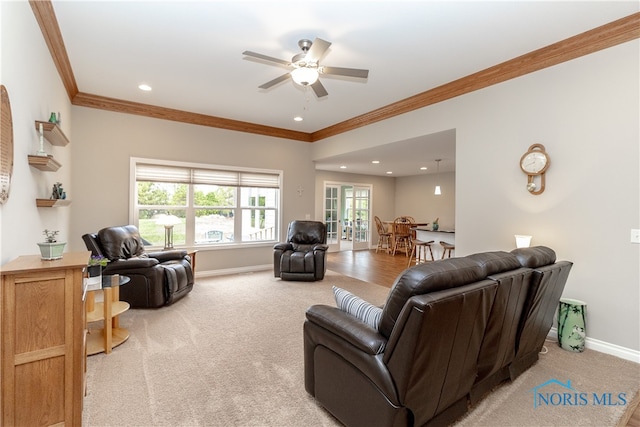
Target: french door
<point>347,213</point>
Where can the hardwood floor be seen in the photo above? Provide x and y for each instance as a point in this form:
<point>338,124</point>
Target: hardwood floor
<point>382,269</point>
<point>379,268</point>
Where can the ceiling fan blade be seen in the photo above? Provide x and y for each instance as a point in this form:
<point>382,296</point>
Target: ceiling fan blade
<point>349,72</point>
<point>266,58</point>
<point>318,48</point>
<point>275,81</point>
<point>319,90</point>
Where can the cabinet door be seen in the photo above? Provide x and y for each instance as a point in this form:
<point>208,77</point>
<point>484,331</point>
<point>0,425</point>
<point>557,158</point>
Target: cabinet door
<point>42,348</point>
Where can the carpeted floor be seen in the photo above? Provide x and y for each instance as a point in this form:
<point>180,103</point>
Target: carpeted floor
<point>230,354</point>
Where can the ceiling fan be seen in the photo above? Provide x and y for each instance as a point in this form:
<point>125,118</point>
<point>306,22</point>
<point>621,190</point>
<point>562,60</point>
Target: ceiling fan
<point>305,67</point>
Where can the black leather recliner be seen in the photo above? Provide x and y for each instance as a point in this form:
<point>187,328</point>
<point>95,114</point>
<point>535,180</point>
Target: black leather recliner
<point>157,278</point>
<point>302,257</point>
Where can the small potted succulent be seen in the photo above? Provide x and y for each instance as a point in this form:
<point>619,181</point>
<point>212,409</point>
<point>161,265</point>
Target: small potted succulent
<point>51,249</point>
<point>434,225</point>
<point>94,270</point>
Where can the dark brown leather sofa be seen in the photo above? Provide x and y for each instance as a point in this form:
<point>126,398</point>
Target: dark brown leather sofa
<point>157,278</point>
<point>449,331</point>
<point>302,257</point>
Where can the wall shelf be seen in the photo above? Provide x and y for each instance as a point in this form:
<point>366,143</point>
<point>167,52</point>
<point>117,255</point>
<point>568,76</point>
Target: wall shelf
<point>44,163</point>
<point>53,133</point>
<point>52,203</point>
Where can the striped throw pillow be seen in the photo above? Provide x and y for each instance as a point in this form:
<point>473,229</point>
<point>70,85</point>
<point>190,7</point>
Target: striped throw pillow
<point>356,306</point>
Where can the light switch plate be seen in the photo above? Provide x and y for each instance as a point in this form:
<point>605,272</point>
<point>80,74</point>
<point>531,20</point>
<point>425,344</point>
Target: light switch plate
<point>635,235</point>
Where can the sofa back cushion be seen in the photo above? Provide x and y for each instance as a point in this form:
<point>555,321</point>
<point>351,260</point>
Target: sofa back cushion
<point>535,257</point>
<point>307,233</point>
<point>495,262</point>
<point>423,279</point>
<point>121,242</point>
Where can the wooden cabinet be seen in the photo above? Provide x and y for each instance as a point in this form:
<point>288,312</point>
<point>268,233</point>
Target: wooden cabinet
<point>43,324</point>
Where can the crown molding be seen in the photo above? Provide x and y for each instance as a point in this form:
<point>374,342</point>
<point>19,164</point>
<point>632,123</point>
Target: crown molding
<point>608,35</point>
<point>121,106</point>
<point>46,17</point>
<point>603,37</point>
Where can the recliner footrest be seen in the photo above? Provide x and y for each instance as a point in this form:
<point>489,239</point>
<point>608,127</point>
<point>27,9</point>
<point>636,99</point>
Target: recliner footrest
<point>176,280</point>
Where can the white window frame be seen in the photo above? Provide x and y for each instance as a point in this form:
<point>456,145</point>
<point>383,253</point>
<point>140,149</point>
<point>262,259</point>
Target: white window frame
<point>190,231</point>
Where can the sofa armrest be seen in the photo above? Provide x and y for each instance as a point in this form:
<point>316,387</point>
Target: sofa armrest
<point>283,246</point>
<point>320,247</point>
<point>123,266</point>
<point>164,256</point>
<point>347,327</point>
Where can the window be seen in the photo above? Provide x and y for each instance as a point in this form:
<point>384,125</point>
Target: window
<point>212,205</point>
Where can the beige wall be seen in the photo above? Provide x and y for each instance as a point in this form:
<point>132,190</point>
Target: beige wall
<point>106,141</point>
<point>586,113</point>
<point>414,196</point>
<point>35,90</point>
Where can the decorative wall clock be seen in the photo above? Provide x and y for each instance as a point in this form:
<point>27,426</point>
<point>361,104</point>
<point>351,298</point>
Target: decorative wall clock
<point>6,144</point>
<point>535,163</point>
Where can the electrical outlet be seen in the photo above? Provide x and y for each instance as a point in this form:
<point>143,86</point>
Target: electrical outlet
<point>635,235</point>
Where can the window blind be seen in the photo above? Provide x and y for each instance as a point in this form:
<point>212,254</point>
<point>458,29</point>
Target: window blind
<point>229,178</point>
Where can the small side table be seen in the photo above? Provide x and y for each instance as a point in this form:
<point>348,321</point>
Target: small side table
<point>112,335</point>
<point>192,253</point>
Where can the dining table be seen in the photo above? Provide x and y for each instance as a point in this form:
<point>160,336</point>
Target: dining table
<point>391,229</point>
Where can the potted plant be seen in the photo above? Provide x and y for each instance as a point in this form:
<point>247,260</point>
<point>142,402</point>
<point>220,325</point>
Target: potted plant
<point>94,271</point>
<point>435,225</point>
<point>51,248</point>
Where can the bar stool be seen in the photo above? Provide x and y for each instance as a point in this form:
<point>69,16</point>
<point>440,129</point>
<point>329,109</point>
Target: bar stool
<point>447,247</point>
<point>420,251</point>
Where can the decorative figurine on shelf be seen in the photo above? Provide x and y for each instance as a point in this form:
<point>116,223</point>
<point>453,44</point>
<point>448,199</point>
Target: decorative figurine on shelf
<point>53,118</point>
<point>58,192</point>
<point>434,224</point>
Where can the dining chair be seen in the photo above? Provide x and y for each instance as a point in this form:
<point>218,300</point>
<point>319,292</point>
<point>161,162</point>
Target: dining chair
<point>384,236</point>
<point>402,234</point>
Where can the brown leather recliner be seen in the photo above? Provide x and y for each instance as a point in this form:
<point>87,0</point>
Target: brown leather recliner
<point>303,256</point>
<point>449,330</point>
<point>157,278</point>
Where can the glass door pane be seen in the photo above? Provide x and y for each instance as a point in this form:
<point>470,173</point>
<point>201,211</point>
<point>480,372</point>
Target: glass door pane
<point>332,216</point>
<point>362,214</point>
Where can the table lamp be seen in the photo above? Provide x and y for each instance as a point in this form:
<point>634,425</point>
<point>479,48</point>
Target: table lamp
<point>168,221</point>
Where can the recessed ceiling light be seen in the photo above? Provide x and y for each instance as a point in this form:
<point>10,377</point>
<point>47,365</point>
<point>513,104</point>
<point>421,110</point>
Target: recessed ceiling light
<point>145,87</point>
<point>389,172</point>
<point>343,167</point>
<point>424,168</point>
<point>298,118</point>
<point>375,162</point>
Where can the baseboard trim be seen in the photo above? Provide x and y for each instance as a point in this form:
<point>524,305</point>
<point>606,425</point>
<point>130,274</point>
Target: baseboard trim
<point>237,270</point>
<point>604,347</point>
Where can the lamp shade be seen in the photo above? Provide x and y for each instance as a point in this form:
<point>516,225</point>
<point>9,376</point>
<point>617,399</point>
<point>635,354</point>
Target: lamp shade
<point>522,241</point>
<point>167,220</point>
<point>304,76</point>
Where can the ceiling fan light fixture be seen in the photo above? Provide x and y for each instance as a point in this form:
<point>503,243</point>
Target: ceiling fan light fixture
<point>305,76</point>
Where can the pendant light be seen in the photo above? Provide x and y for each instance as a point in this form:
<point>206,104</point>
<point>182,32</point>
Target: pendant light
<point>438,191</point>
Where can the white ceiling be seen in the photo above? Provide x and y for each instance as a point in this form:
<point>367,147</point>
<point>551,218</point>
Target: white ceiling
<point>190,52</point>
